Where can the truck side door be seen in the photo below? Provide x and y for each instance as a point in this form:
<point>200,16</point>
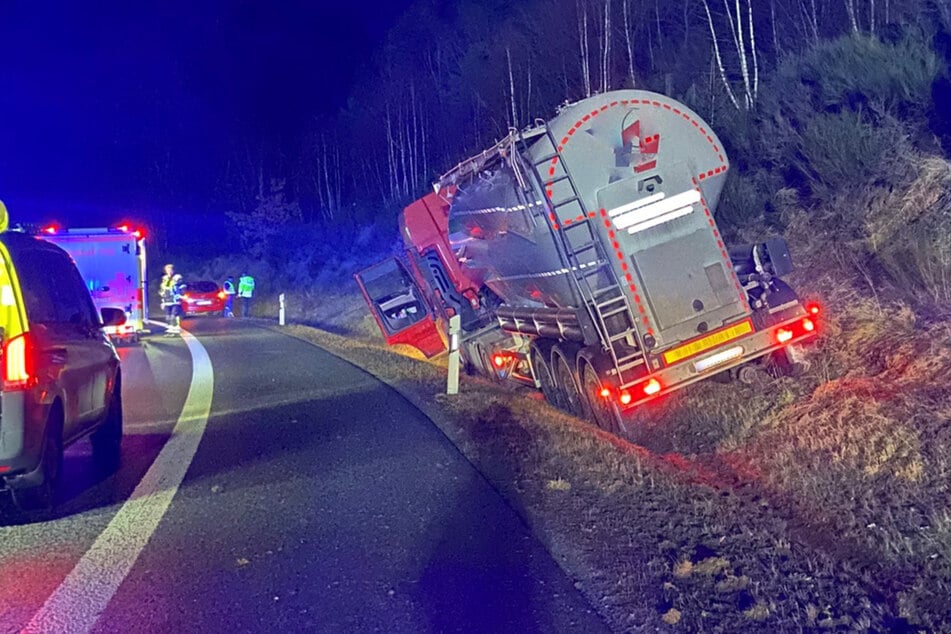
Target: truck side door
<point>399,308</point>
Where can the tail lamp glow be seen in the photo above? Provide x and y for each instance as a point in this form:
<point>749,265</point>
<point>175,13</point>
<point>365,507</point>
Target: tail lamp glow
<point>18,363</point>
<point>502,359</point>
<point>649,387</point>
<point>804,326</point>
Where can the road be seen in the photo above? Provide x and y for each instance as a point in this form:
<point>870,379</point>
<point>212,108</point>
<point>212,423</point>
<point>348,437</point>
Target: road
<point>312,497</point>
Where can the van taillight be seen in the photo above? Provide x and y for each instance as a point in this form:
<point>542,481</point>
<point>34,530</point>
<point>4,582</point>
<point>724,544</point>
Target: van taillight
<point>18,363</point>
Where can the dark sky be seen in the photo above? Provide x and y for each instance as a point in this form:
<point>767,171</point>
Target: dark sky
<point>136,106</point>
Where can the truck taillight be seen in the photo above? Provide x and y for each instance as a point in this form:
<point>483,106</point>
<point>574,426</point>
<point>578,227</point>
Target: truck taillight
<point>813,309</point>
<point>808,325</point>
<point>18,363</point>
<point>783,335</point>
<point>652,387</point>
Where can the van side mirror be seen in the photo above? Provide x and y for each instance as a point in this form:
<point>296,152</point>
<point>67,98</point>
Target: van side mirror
<point>112,316</point>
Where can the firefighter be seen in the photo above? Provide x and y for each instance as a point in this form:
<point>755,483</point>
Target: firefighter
<point>171,289</point>
<point>245,292</point>
<point>229,291</point>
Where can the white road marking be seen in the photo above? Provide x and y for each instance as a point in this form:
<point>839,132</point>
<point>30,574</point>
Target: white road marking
<point>77,603</point>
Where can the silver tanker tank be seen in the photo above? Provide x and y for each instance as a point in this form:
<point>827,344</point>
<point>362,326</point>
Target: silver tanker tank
<point>512,208</point>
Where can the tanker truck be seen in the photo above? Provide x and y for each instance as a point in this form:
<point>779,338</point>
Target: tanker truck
<point>583,258</point>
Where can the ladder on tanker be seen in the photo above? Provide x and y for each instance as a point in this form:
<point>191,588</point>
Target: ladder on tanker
<point>590,268</point>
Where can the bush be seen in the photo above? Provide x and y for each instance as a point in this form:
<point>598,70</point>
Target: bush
<point>910,232</point>
<point>839,151</point>
<point>846,73</point>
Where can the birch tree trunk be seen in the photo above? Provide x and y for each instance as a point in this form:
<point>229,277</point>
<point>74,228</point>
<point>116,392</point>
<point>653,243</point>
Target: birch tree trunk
<point>719,58</point>
<point>850,10</point>
<point>625,4</point>
<point>583,39</point>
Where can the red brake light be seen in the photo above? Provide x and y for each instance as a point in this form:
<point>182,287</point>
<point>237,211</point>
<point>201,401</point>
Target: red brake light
<point>137,233</point>
<point>50,229</point>
<point>652,387</point>
<point>123,228</point>
<point>808,325</point>
<point>625,398</point>
<point>605,392</point>
<point>498,360</point>
<point>813,309</point>
<point>17,363</point>
<point>783,335</point>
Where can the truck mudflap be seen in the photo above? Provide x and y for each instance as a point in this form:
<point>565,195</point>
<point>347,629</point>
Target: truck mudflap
<point>723,349</point>
<point>399,307</point>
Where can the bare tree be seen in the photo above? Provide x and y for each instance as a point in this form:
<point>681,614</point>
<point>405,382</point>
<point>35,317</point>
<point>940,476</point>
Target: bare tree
<point>583,40</point>
<point>719,58</point>
<point>625,5</point>
<point>513,121</point>
<point>606,49</point>
<point>850,10</point>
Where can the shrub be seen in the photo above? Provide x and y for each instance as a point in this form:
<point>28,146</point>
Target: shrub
<point>851,71</point>
<point>910,232</point>
<point>838,151</point>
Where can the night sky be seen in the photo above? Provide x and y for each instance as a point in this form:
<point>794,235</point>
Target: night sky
<point>134,109</point>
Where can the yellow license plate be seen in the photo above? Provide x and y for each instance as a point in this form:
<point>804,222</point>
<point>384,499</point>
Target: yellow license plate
<point>710,341</point>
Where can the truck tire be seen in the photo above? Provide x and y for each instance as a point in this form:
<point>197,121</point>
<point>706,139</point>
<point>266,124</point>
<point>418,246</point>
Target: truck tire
<point>42,496</point>
<point>107,440</point>
<point>540,355</point>
<point>603,411</point>
<point>566,381</point>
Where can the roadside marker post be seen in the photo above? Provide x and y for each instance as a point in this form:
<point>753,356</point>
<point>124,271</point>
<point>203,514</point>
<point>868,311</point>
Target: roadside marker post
<point>280,312</point>
<point>455,327</point>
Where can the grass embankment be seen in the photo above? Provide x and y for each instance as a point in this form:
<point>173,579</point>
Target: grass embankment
<point>820,501</point>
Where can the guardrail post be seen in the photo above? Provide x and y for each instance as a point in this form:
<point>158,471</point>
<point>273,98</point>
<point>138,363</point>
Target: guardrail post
<point>455,327</point>
<point>281,311</point>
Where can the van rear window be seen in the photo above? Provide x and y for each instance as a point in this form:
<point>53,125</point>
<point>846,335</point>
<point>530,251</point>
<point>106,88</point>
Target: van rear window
<point>52,290</point>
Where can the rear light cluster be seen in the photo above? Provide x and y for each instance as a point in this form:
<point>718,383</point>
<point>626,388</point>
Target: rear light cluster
<point>222,295</point>
<point>648,388</point>
<point>787,333</point>
<point>18,363</point>
<point>502,359</point>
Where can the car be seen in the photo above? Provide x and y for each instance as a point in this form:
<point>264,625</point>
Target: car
<point>203,298</point>
<point>61,377</point>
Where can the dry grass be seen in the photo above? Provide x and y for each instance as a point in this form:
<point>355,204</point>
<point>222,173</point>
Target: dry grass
<point>821,502</point>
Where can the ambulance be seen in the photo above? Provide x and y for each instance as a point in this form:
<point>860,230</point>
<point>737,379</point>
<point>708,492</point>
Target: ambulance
<point>112,263</point>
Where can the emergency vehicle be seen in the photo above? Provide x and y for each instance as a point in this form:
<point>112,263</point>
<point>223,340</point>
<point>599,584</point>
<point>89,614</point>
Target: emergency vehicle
<point>112,262</point>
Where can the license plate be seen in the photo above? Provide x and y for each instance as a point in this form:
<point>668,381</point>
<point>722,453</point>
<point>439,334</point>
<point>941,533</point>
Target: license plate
<point>710,341</point>
<point>203,302</point>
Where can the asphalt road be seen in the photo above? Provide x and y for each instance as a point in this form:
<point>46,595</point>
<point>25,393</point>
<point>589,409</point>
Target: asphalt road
<point>317,500</point>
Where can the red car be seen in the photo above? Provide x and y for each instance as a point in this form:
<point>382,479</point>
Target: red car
<point>203,298</point>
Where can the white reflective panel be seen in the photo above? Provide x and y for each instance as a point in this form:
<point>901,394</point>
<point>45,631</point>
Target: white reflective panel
<point>617,211</point>
<point>719,358</point>
<point>657,209</point>
<point>677,213</point>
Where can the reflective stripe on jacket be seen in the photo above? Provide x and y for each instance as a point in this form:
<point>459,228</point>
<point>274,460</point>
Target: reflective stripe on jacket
<point>246,286</point>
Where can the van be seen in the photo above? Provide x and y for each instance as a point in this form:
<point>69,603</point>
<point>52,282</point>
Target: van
<point>61,379</point>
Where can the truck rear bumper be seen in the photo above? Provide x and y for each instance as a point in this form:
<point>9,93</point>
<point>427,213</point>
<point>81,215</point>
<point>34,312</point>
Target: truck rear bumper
<point>731,354</point>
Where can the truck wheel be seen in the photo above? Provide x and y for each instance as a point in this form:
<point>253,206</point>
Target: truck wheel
<point>567,383</point>
<point>107,440</point>
<point>42,496</point>
<point>543,373</point>
<point>603,411</point>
